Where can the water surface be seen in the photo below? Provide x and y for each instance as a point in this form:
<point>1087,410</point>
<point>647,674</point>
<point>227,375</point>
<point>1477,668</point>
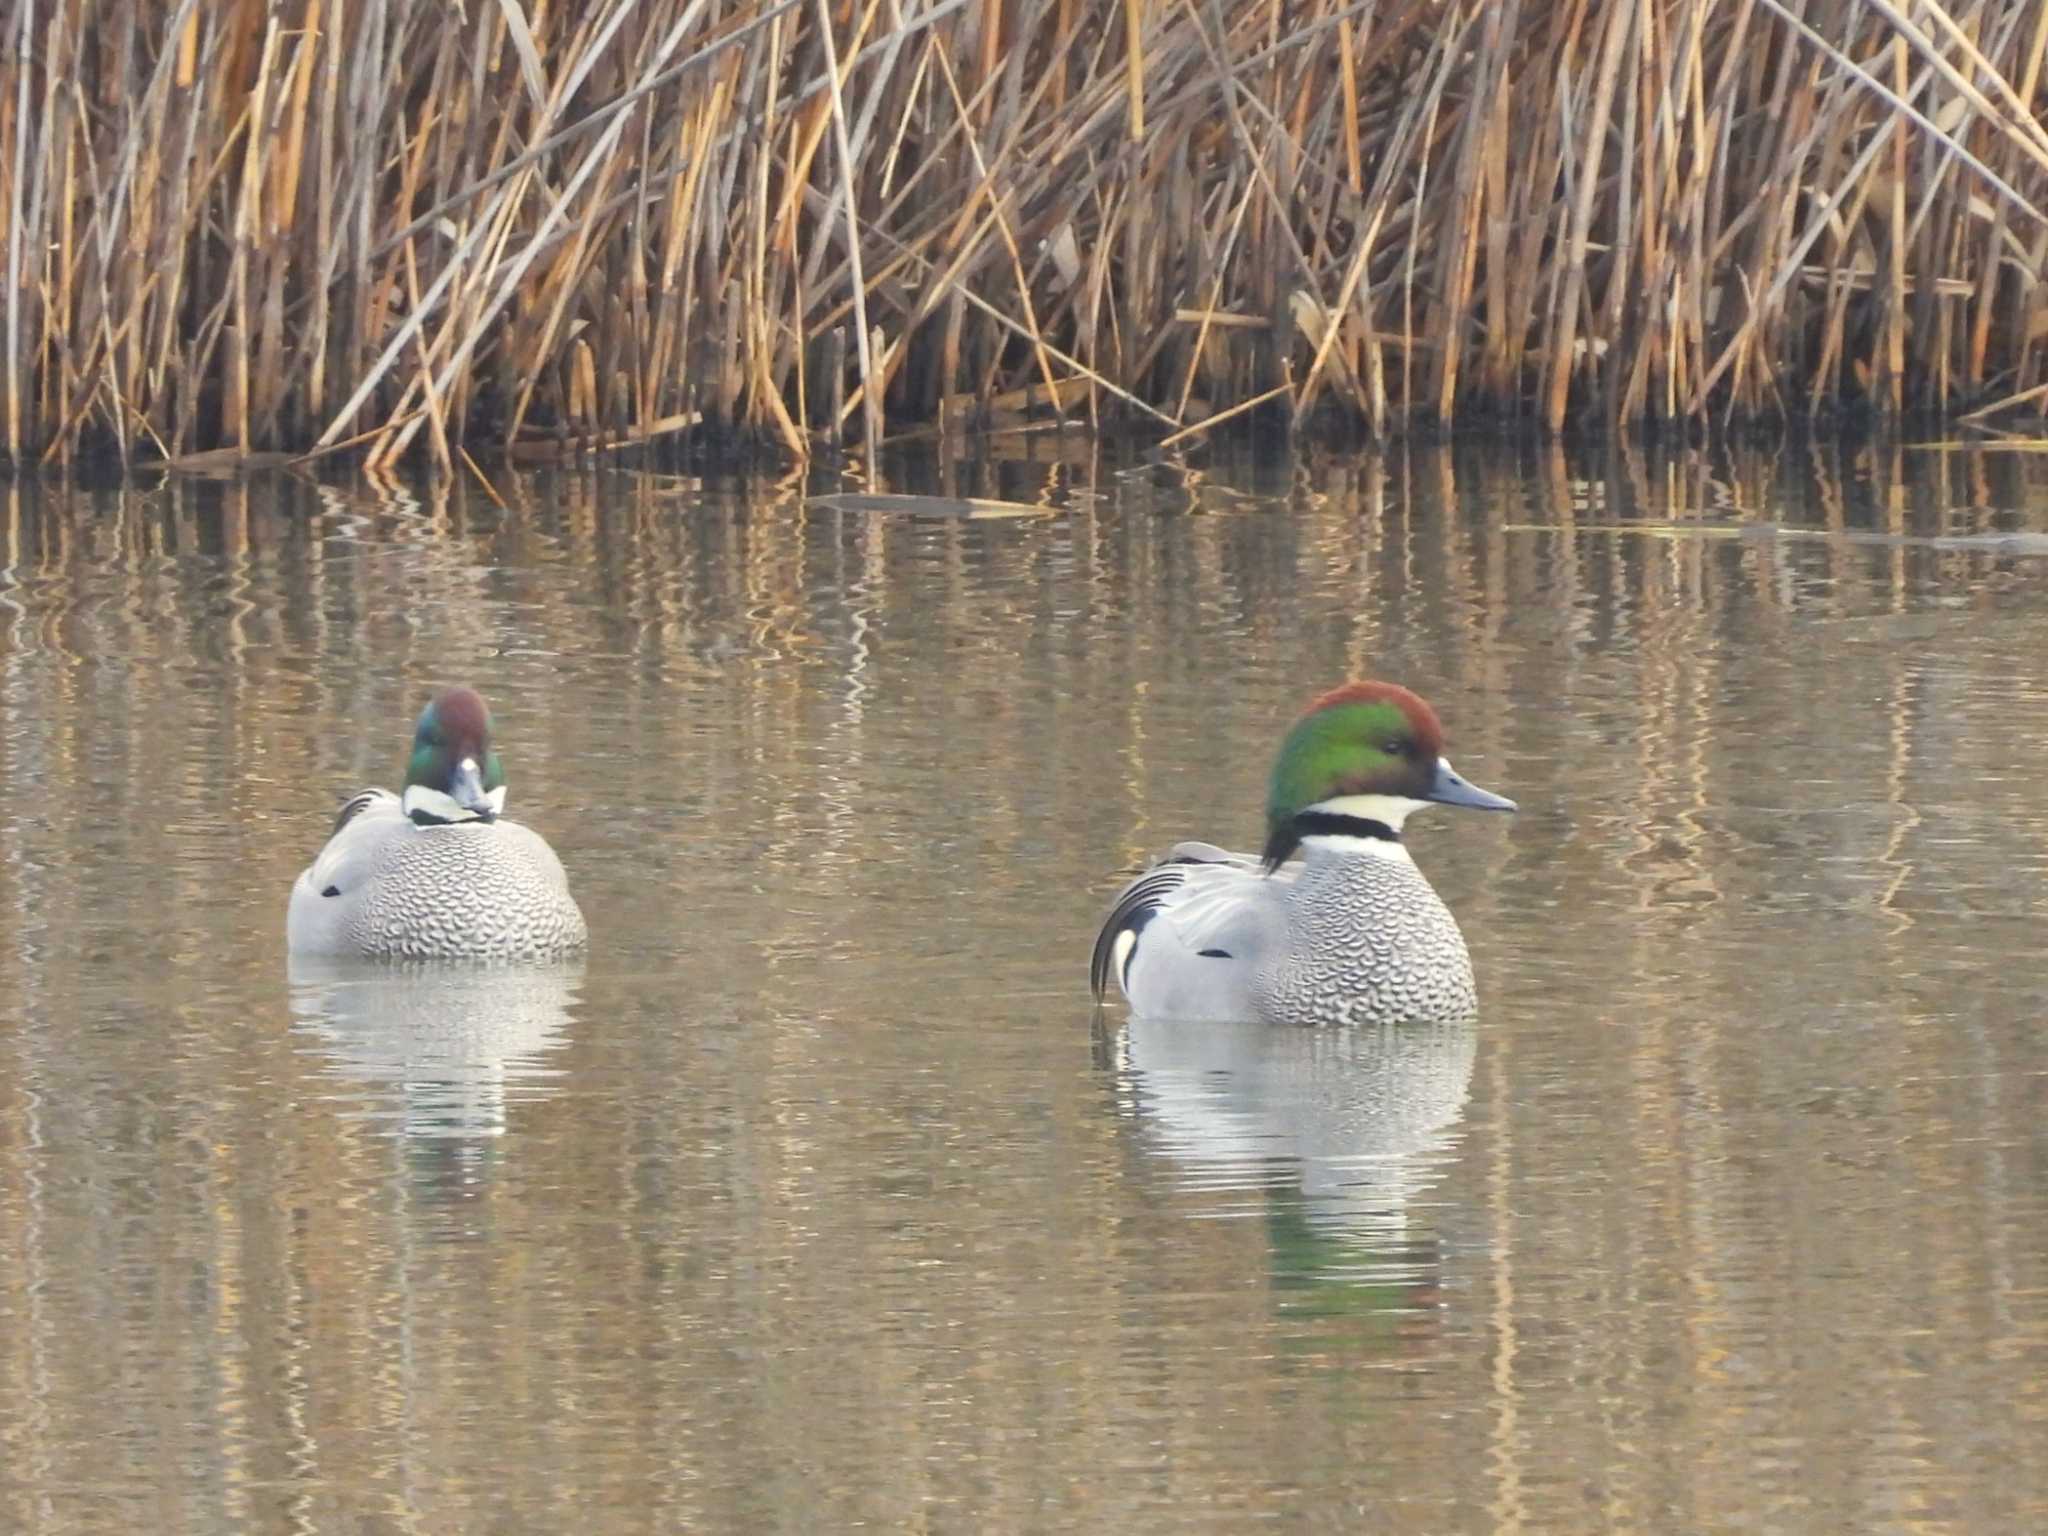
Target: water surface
<point>818,1195</point>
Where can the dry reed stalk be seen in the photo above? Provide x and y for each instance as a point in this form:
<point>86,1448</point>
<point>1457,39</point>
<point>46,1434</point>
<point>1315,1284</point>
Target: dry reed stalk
<point>871,402</point>
<point>267,224</point>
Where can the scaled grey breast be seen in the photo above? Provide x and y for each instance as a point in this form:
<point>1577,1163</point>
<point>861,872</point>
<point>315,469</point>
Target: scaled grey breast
<point>1378,943</point>
<point>490,891</point>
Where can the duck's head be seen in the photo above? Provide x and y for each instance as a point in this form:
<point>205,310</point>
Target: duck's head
<point>454,775</point>
<point>1358,761</point>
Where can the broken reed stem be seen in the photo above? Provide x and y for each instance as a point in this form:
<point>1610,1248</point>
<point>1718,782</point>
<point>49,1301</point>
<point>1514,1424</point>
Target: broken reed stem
<point>266,225</point>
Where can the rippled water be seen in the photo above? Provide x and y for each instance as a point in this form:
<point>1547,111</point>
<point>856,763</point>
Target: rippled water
<point>817,1195</point>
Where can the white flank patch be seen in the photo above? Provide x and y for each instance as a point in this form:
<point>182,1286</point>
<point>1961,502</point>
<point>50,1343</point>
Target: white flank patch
<point>1125,943</point>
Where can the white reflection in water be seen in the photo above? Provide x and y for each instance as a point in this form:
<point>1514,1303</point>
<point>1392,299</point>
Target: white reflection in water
<point>441,1048</point>
<point>1354,1122</point>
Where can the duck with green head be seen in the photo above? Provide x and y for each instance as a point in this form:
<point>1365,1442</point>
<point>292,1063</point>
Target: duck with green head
<point>1352,933</point>
<point>437,872</point>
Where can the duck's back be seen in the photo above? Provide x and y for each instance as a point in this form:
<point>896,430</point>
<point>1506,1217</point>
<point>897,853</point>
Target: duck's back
<point>386,889</point>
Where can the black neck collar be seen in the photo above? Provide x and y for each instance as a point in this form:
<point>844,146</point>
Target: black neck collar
<point>1287,837</point>
<point>426,818</point>
<point>1336,824</point>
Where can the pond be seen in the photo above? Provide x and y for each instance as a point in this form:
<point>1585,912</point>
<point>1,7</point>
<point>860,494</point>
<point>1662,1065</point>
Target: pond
<point>820,1195</point>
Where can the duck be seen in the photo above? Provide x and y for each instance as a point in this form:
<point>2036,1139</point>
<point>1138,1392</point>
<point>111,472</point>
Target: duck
<point>436,872</point>
<point>1351,933</point>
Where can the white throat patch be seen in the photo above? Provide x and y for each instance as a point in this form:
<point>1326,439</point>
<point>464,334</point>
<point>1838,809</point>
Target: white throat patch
<point>1389,811</point>
<point>442,807</point>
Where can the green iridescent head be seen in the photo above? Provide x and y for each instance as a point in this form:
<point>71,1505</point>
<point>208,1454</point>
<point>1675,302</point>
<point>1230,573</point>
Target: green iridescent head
<point>1359,759</point>
<point>454,775</point>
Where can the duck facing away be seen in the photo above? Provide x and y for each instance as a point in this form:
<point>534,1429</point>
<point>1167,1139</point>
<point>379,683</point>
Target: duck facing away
<point>1353,933</point>
<point>436,873</point>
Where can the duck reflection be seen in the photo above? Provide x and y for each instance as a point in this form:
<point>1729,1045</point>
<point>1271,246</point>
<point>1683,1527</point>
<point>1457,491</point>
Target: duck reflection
<point>1332,1133</point>
<point>441,1047</point>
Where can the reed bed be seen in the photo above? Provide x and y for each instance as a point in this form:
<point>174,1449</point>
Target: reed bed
<point>396,227</point>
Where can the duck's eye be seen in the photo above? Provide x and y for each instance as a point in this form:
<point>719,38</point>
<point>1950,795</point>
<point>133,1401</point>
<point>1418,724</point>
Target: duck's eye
<point>1394,747</point>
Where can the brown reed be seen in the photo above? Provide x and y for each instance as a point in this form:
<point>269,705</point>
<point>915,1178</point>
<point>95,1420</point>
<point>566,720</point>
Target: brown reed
<point>405,225</point>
